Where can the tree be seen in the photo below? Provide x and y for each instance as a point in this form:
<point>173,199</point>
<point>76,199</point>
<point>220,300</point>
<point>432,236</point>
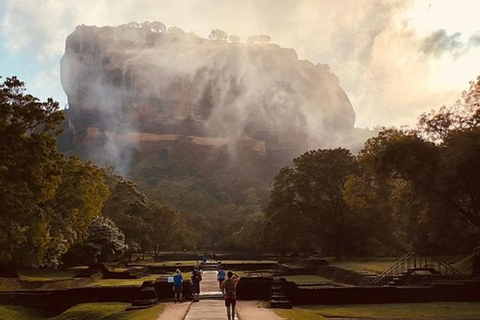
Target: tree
<point>253,234</point>
<point>263,38</point>
<point>234,38</point>
<point>455,130</point>
<point>77,202</point>
<point>218,35</point>
<point>169,230</point>
<point>29,173</point>
<point>105,242</point>
<point>433,187</point>
<point>128,208</point>
<point>155,26</point>
<point>463,115</point>
<point>403,155</point>
<point>285,224</point>
<point>307,206</point>
<point>47,201</point>
<point>370,230</point>
<point>176,31</point>
<point>459,178</point>
<point>252,39</point>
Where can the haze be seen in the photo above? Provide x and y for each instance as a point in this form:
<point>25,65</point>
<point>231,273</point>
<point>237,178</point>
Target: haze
<point>395,59</point>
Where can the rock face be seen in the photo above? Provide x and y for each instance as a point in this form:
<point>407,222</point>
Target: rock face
<point>143,78</point>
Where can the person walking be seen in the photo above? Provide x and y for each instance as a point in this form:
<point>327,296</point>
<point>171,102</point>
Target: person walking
<point>220,276</point>
<point>178,286</point>
<point>229,290</point>
<point>196,278</point>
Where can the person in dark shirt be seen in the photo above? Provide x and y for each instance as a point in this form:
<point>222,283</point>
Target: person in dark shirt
<point>196,278</point>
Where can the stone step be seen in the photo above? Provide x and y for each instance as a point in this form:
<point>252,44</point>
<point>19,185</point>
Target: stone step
<point>145,302</point>
<point>210,266</point>
<point>142,304</point>
<point>211,295</point>
<point>138,307</point>
<point>281,304</point>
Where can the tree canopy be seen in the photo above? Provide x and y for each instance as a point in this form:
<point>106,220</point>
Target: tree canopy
<point>47,201</point>
<point>307,201</point>
<point>409,189</point>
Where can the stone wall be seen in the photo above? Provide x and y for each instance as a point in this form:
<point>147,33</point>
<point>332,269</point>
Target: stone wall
<point>466,291</point>
<point>340,275</point>
<point>254,288</point>
<point>60,300</point>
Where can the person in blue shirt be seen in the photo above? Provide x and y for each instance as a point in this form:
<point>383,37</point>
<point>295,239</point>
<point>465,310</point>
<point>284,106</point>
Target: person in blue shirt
<point>220,276</point>
<point>178,286</point>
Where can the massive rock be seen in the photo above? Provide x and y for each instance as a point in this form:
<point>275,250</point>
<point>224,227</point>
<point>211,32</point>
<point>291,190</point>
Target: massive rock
<point>141,81</point>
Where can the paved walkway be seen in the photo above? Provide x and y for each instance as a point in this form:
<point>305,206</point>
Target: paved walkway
<point>175,311</point>
<point>212,306</point>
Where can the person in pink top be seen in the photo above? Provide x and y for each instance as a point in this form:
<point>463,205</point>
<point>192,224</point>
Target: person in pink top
<point>229,290</point>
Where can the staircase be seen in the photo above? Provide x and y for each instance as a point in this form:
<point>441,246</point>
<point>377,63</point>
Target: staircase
<point>411,263</point>
<point>209,265</point>
<point>147,298</point>
<point>278,298</point>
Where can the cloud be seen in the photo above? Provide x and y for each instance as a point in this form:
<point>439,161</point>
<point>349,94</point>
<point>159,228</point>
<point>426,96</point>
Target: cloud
<point>474,40</point>
<point>439,43</point>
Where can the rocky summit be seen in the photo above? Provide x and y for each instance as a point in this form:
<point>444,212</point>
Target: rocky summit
<point>144,82</point>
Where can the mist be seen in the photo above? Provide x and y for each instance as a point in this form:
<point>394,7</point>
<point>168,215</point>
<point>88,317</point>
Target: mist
<point>147,78</point>
<point>392,57</point>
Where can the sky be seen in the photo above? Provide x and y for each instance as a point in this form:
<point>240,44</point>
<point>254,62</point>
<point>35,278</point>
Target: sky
<point>395,59</point>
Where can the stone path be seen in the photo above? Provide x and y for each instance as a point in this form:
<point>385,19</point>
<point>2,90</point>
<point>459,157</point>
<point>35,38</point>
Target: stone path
<point>207,309</point>
<point>212,306</point>
<point>175,311</point>
<point>209,288</point>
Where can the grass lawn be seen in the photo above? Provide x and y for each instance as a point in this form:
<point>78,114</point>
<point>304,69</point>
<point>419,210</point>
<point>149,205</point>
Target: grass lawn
<point>87,311</point>
<point>247,261</point>
<point>378,265</point>
<point>298,314</point>
<point>108,311</point>
<point>122,282</point>
<point>45,275</point>
<point>306,279</point>
<point>195,262</point>
<point>375,265</point>
<point>452,310</point>
<point>186,263</point>
<point>19,313</point>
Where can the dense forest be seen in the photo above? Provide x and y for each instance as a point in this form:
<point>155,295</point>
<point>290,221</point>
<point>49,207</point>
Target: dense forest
<point>407,189</point>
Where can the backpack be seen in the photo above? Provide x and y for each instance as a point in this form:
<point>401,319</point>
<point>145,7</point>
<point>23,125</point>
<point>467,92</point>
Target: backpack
<point>229,289</point>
